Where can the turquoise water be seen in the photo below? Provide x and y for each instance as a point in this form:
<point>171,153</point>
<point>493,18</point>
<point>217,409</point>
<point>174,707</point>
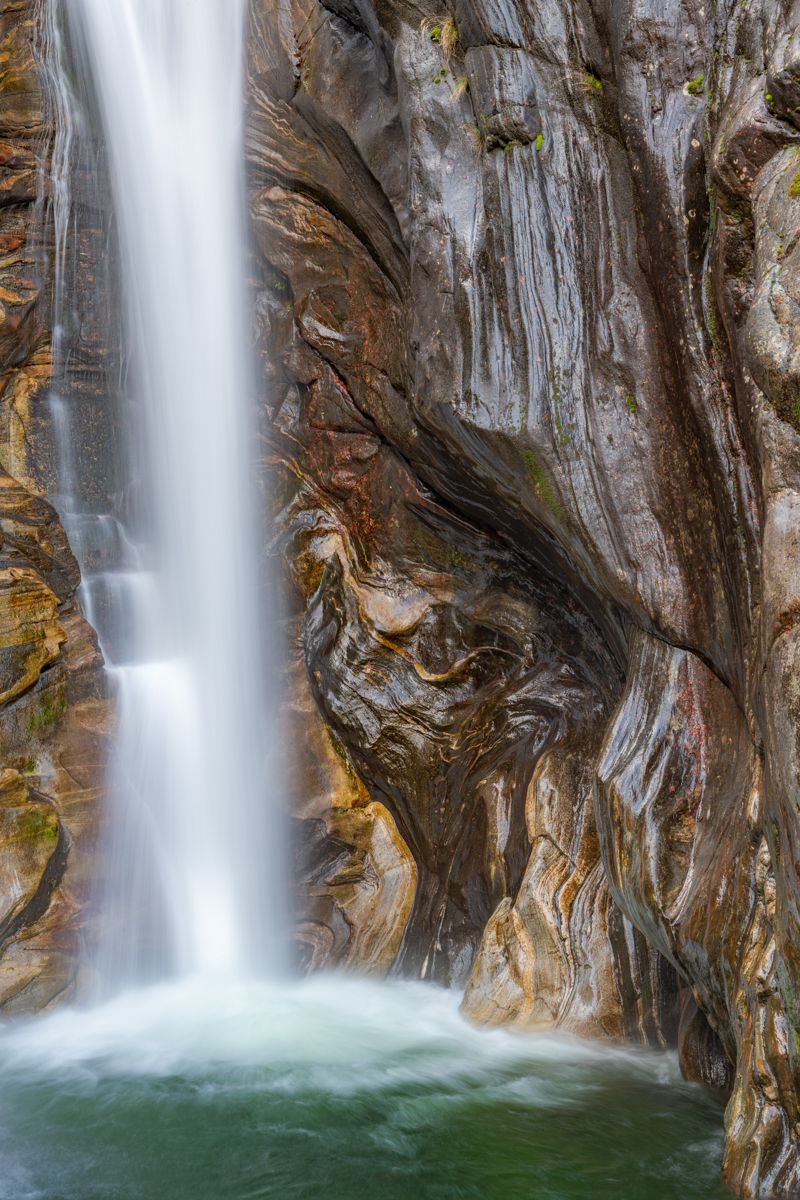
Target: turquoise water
<point>339,1089</point>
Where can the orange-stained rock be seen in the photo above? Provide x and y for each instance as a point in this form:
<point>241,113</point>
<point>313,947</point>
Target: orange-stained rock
<point>561,954</point>
<point>356,876</point>
<point>54,715</point>
<point>31,853</point>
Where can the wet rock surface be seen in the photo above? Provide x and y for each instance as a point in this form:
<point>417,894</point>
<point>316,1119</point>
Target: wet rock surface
<point>54,715</point>
<point>528,310</point>
<point>54,724</point>
<point>526,300</point>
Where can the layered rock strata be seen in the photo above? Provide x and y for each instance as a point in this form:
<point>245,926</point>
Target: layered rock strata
<point>528,310</point>
<point>526,301</point>
<point>54,716</point>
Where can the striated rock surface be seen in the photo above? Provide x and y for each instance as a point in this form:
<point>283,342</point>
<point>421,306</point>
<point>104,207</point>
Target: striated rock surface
<point>53,713</point>
<point>53,743</point>
<point>527,292</point>
<point>528,310</point>
<point>354,876</point>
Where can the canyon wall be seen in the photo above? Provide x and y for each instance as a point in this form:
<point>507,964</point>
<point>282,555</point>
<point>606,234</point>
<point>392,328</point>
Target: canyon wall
<point>528,312</point>
<point>526,298</point>
<point>54,714</point>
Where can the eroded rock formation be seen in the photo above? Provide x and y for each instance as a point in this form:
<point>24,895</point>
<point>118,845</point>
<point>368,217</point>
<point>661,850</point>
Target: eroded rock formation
<point>53,744</point>
<point>527,306</point>
<point>528,311</point>
<point>53,712</point>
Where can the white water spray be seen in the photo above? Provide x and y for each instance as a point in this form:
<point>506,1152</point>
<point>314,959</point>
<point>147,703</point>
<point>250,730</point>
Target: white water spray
<point>192,881</point>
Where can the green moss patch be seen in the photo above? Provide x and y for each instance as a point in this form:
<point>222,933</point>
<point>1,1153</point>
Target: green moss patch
<point>37,825</point>
<point>49,712</point>
<point>541,484</point>
<point>445,35</point>
<point>695,86</point>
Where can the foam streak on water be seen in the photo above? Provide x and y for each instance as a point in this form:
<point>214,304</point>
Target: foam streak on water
<point>191,863</point>
<point>343,1032</point>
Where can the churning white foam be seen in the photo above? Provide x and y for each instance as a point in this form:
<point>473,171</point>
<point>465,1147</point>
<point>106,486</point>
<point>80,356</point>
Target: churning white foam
<point>333,1032</point>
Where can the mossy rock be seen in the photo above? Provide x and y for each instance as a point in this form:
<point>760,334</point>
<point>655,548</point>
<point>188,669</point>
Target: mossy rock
<point>541,484</point>
<point>29,843</point>
<point>37,824</point>
<point>48,713</point>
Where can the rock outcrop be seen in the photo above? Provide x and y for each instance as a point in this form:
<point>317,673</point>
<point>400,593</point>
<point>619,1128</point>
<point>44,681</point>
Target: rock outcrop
<point>528,311</point>
<point>54,720</point>
<point>54,715</point>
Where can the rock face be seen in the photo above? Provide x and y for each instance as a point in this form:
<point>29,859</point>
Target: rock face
<point>53,745</point>
<point>528,310</point>
<point>527,301</point>
<point>53,711</point>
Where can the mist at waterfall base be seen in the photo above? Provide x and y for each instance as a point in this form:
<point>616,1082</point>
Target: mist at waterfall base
<point>342,1089</point>
<point>193,1069</point>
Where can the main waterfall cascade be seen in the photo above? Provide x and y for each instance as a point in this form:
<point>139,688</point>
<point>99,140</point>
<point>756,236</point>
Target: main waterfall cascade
<point>191,864</point>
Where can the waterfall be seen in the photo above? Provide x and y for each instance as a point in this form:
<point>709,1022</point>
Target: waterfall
<point>191,863</point>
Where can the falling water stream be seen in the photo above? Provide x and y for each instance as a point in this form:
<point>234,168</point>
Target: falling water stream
<point>195,1069</point>
<point>192,849</point>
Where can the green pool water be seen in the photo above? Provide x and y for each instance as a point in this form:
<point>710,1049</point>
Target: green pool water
<point>339,1089</point>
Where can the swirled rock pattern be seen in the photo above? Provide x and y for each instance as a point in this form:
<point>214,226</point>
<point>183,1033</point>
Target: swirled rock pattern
<point>527,290</point>
<point>528,307</point>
